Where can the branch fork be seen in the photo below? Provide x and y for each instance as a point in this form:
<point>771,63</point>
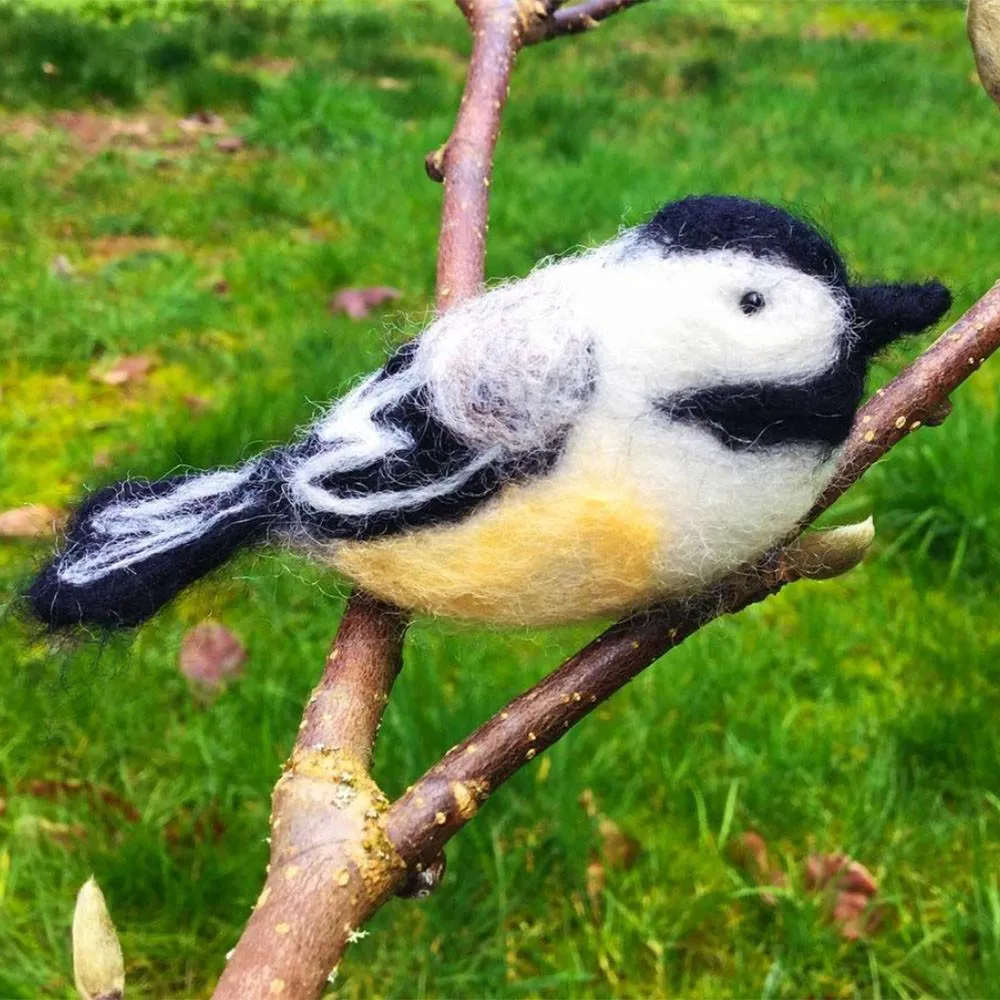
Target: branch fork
<point>339,849</point>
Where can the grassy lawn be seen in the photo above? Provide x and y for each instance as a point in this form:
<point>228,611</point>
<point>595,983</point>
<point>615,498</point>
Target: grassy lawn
<point>859,715</point>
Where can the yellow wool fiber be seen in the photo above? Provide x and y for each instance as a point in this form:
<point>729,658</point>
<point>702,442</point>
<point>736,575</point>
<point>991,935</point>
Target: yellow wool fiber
<point>541,553</point>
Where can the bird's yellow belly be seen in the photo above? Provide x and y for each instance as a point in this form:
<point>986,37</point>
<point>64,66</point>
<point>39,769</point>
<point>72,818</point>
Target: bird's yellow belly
<point>543,553</point>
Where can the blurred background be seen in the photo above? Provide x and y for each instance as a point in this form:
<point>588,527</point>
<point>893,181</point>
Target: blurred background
<point>187,189</point>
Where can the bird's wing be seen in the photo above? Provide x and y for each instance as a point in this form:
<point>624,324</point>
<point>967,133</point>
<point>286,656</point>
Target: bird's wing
<point>382,461</point>
<point>487,394</point>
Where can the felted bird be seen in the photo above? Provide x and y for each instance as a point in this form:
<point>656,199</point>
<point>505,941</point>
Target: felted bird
<point>617,427</point>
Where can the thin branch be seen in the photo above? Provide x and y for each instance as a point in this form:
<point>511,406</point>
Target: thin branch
<point>338,850</point>
<point>578,18</point>
<point>437,806</point>
<point>465,162</point>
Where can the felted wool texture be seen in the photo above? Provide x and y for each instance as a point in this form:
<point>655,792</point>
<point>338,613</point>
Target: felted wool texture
<point>619,426</point>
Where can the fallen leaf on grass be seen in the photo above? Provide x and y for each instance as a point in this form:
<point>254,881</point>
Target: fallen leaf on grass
<point>359,302</point>
<point>853,888</point>
<point>210,655</point>
<point>749,851</point>
<point>60,833</point>
<point>230,144</point>
<point>597,881</point>
<point>203,123</point>
<point>838,870</point>
<point>125,370</point>
<point>32,521</point>
<point>51,790</point>
<point>618,849</point>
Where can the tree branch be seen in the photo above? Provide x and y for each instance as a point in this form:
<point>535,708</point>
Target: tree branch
<point>578,18</point>
<point>338,850</point>
<point>437,806</point>
<point>331,864</point>
<point>465,162</point>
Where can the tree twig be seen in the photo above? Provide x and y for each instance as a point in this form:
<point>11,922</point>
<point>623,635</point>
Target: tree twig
<point>332,865</point>
<point>339,851</point>
<point>577,18</point>
<point>466,160</point>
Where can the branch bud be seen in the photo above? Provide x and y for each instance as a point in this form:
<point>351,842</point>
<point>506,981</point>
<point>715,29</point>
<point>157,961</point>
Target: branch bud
<point>822,555</point>
<point>98,965</point>
<point>984,33</point>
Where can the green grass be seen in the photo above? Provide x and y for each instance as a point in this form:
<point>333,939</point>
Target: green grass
<point>856,715</point>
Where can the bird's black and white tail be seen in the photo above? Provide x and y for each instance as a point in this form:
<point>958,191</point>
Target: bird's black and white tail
<point>133,546</point>
<point>376,463</point>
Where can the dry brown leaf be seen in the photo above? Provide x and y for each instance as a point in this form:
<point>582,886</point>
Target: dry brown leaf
<point>839,871</point>
<point>210,655</point>
<point>51,790</point>
<point>618,849</point>
<point>853,889</point>
<point>848,911</point>
<point>196,404</point>
<point>34,520</point>
<point>596,880</point>
<point>359,302</point>
<point>749,851</point>
<point>134,368</point>
<point>203,123</point>
<point>60,833</point>
<point>857,878</point>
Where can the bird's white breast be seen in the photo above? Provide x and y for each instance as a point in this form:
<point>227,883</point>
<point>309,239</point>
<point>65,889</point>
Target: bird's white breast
<point>718,508</point>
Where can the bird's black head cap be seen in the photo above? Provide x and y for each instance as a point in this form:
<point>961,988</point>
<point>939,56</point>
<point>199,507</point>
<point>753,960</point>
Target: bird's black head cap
<point>724,222</point>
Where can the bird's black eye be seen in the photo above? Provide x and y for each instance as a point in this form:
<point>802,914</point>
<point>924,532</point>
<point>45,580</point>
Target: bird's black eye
<point>752,303</point>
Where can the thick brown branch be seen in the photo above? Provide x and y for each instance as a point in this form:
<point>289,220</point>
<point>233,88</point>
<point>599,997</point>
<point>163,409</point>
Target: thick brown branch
<point>331,865</point>
<point>447,796</point>
<point>338,851</point>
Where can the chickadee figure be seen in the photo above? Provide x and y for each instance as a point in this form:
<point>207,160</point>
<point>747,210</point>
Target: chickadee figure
<point>618,427</point>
